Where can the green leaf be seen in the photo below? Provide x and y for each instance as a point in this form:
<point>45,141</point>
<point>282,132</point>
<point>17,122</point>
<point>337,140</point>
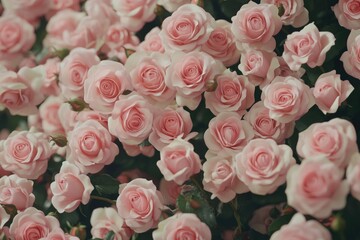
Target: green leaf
<point>231,7</point>
<point>110,235</point>
<point>105,184</point>
<point>279,222</point>
<point>277,197</point>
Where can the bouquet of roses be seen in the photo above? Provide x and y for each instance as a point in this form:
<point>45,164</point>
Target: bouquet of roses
<point>179,119</point>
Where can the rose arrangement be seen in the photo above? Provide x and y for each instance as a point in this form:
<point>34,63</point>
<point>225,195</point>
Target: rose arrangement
<point>179,119</point>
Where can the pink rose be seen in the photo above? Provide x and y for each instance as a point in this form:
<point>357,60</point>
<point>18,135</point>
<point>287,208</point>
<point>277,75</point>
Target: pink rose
<point>307,46</point>
<point>152,41</point>
<point>294,12</point>
<point>135,150</point>
<point>186,29</point>
<point>263,165</point>
<point>220,178</point>
<point>353,175</point>
<point>283,70</point>
<point>228,133</point>
<point>74,70</point>
<point>287,99</point>
<point>90,147</point>
<point>330,91</point>
<point>17,191</point>
<point>29,10</point>
<point>255,25</point>
<point>168,125</point>
<point>104,84</point>
<point>90,114</point>
<point>134,14</point>
<point>335,140</point>
<point>52,69</point>
<point>58,5</point>
<point>266,127</point>
<point>70,188</point>
<point>139,204</point>
<point>189,75</point>
<point>316,188</point>
<point>233,93</point>
<point>67,117</point>
<point>101,10</point>
<point>58,234</point>
<point>25,153</point>
<point>351,57</point>
<point>178,161</point>
<point>170,190</point>
<point>348,13</point>
<point>4,217</point>
<point>182,226</point>
<point>299,228</point>
<point>131,119</point>
<point>49,115</point>
<point>172,5</point>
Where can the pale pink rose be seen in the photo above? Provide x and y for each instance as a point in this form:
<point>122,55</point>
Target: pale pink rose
<point>104,220</point>
<point>220,178</point>
<point>58,5</point>
<point>170,191</point>
<point>32,224</point>
<point>4,217</point>
<point>259,66</point>
<point>262,218</point>
<point>266,127</point>
<point>186,29</point>
<point>353,175</point>
<point>147,71</point>
<point>16,35</point>
<point>34,121</point>
<point>17,191</point>
<point>152,41</point>
<point>283,70</point>
<point>335,140</point>
<point>172,5</point>
<point>178,161</point>
<point>67,117</point>
<point>221,44</point>
<point>348,13</point>
<point>29,10</point>
<point>74,70</point>
<point>182,226</point>
<point>294,12</point>
<point>299,228</point>
<point>307,46</point>
<point>28,61</point>
<point>131,119</point>
<point>139,204</point>
<point>135,150</point>
<point>330,91</point>
<point>134,14</point>
<point>316,188</point>
<point>263,165</point>
<point>50,83</point>
<point>287,99</point>
<point>104,84</point>
<point>168,125</point>
<point>70,188</point>
<point>101,10</point>
<point>228,133</point>
<point>255,25</point>
<point>90,147</point>
<point>351,57</point>
<point>25,153</point>
<point>58,234</point>
<point>233,93</point>
<point>189,74</point>
<point>49,115</point>
<point>90,114</point>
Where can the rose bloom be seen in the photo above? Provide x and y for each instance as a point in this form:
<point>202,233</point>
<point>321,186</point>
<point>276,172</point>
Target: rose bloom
<point>307,46</point>
<point>335,140</point>
<point>172,5</point>
<point>170,191</point>
<point>25,153</point>
<point>182,226</point>
<point>227,133</point>
<point>101,10</point>
<point>351,57</point>
<point>104,220</point>
<point>220,178</point>
<point>255,25</point>
<point>49,115</point>
<point>189,75</point>
<point>259,66</point>
<point>17,191</point>
<point>70,188</point>
<point>135,150</point>
<point>29,10</point>
<point>348,13</point>
<point>52,69</point>
<point>104,84</point>
<point>294,12</point>
<point>58,5</point>
<point>90,114</point>
<point>330,91</point>
<point>152,41</point>
<point>90,147</point>
<point>4,216</point>
<point>168,125</point>
<point>131,119</point>
<point>299,228</point>
<point>316,188</point>
<point>59,234</point>
<point>139,204</point>
<point>178,161</point>
<point>353,175</point>
<point>284,70</point>
<point>67,117</point>
<point>233,93</point>
<point>134,14</point>
<point>287,99</point>
<point>74,70</point>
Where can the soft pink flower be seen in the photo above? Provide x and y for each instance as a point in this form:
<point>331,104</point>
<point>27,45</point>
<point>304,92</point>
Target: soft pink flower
<point>101,10</point>
<point>140,204</point>
<point>170,191</point>
<point>284,70</point>
<point>152,41</point>
<point>307,46</point>
<point>351,57</point>
<point>70,188</point>
<point>50,83</point>
<point>58,5</point>
<point>90,114</point>
<point>49,115</point>
<point>58,234</point>
<point>29,10</point>
<point>4,217</point>
<point>316,188</point>
<point>135,150</point>
<point>335,140</point>
<point>348,13</point>
<point>67,117</point>
<point>182,226</point>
